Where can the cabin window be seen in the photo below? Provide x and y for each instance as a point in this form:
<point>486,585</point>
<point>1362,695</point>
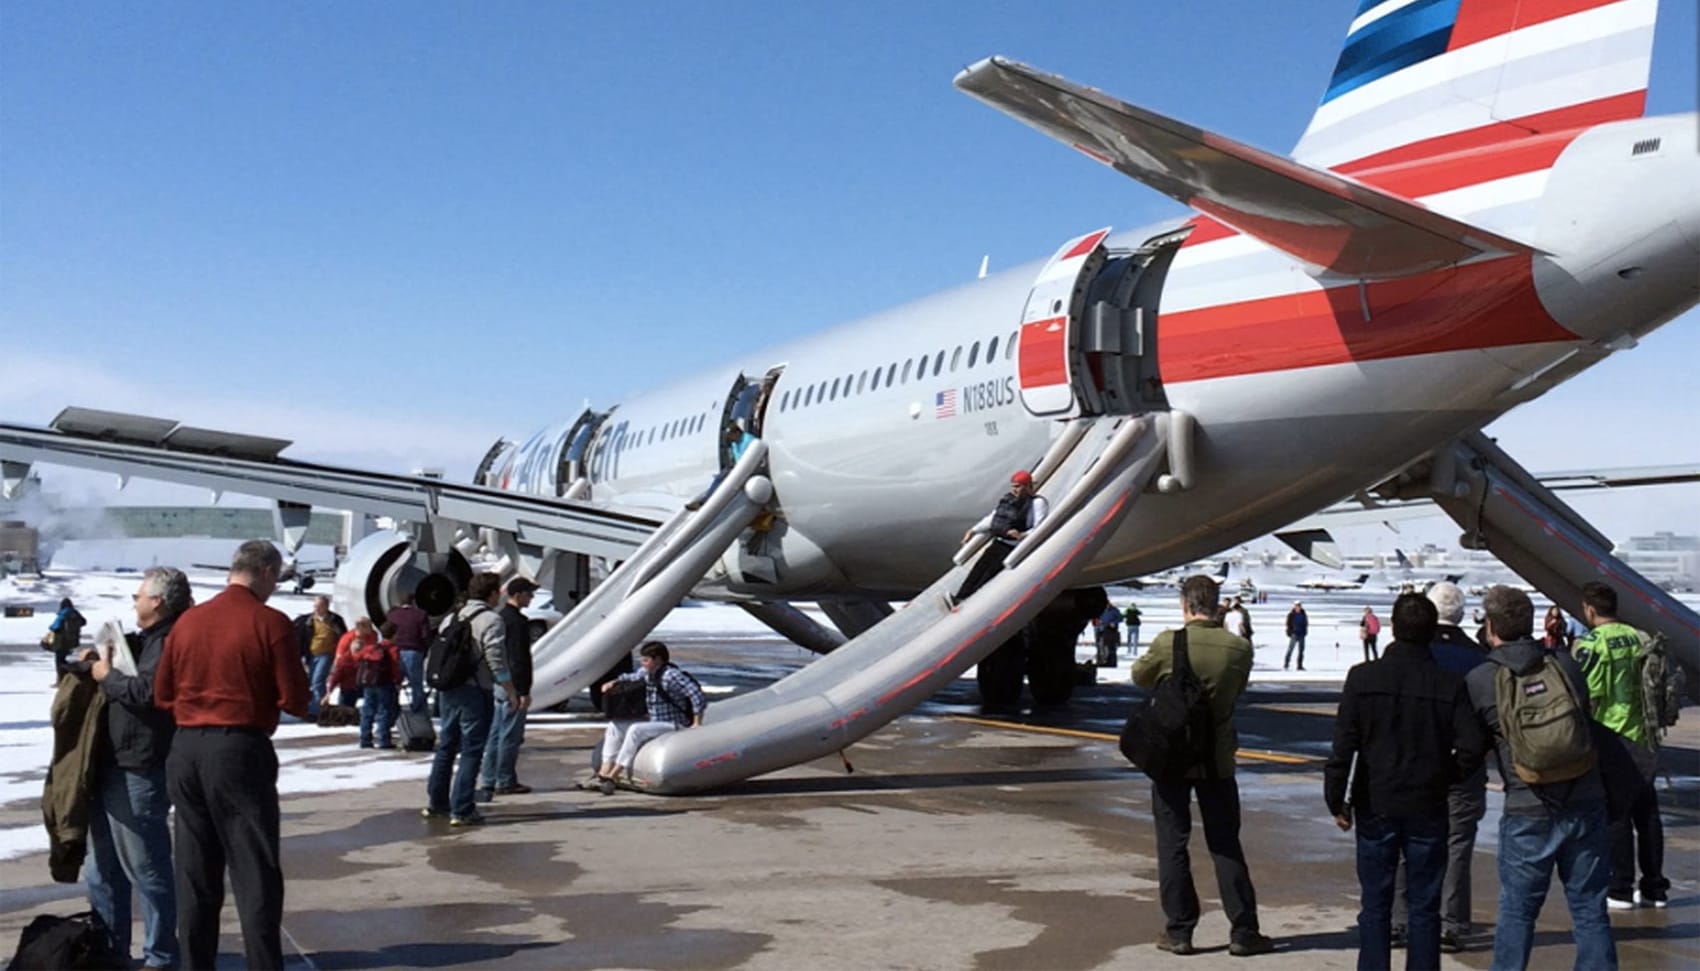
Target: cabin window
<point>974,353</point>
<point>784,399</point>
<point>862,383</point>
<point>991,350</point>
<point>891,374</point>
<point>875,386</point>
<point>833,396</point>
<point>1009,348</point>
<point>938,364</point>
<point>955,358</point>
<point>907,364</point>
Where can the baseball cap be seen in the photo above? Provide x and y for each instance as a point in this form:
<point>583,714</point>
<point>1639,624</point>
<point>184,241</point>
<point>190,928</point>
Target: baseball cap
<point>1022,476</point>
<point>519,585</point>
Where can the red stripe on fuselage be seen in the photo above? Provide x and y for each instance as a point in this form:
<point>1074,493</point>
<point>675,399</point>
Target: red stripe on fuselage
<point>1043,354</point>
<point>1585,114</point>
<point>1085,245</point>
<point>1487,304</point>
<point>1480,20</point>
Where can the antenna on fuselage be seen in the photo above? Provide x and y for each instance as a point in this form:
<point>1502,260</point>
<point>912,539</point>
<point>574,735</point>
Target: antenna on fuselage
<point>983,261</point>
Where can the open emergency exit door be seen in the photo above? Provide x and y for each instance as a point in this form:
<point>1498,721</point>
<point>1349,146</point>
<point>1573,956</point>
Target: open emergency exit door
<point>1047,350</point>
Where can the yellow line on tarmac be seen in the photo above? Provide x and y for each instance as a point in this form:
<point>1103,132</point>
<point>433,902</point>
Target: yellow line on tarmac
<point>1278,757</point>
<point>1295,710</point>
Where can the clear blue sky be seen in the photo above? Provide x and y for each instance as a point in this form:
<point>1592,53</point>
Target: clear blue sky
<point>393,231</point>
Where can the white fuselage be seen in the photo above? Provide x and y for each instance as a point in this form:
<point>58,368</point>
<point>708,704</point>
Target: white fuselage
<point>890,434</point>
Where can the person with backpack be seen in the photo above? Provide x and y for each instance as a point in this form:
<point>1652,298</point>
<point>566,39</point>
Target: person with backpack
<point>673,699</point>
<point>1109,630</point>
<point>376,673</point>
<point>64,635</point>
<point>1131,616</point>
<point>1534,704</point>
<point>1222,664</point>
<point>1298,626</point>
<point>1613,660</point>
<point>466,663</point>
<point>1407,724</point>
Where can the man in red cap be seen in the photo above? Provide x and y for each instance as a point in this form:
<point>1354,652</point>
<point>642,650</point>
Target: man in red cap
<point>1016,515</point>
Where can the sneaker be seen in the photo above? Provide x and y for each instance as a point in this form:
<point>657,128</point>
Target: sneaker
<point>430,813</point>
<point>1178,946</point>
<point>606,785</point>
<point>1251,945</point>
<point>1619,903</point>
<point>517,789</point>
<point>473,818</point>
<point>483,794</point>
<point>1654,898</point>
<point>1451,942</point>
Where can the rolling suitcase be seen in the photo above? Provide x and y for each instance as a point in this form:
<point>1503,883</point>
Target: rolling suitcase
<point>417,735</point>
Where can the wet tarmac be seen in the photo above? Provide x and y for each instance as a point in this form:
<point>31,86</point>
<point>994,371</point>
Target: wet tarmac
<point>960,841</point>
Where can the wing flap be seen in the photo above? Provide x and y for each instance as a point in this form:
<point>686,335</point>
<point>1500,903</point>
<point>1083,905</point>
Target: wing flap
<point>1330,222</point>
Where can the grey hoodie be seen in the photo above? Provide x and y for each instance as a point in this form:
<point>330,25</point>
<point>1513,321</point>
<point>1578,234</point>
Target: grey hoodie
<point>488,634</point>
<point>1520,798</point>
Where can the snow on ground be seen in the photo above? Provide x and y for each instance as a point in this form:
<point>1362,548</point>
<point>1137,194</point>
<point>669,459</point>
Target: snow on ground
<point>26,673</point>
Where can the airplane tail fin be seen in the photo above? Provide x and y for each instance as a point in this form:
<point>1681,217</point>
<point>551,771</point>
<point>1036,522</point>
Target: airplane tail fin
<point>1404,561</point>
<point>1419,78</point>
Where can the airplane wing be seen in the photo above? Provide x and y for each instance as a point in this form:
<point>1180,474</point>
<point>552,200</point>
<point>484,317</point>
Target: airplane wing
<point>1366,509</point>
<point>1330,222</point>
<point>163,449</point>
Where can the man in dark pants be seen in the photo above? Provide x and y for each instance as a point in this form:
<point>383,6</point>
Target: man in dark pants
<point>1222,663</point>
<point>1409,726</point>
<point>1466,801</point>
<point>229,666</point>
<point>507,728</point>
<point>1018,513</point>
<point>412,636</point>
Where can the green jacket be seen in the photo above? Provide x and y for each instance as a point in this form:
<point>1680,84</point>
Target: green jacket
<point>1610,660</point>
<point>1222,662</point>
<point>78,707</point>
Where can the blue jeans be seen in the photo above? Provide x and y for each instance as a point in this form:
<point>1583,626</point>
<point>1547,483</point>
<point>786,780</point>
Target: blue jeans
<point>317,675</point>
<point>1382,841</point>
<point>130,846</point>
<point>1573,839</point>
<point>378,706</point>
<point>501,752</point>
<point>413,665</point>
<point>466,713</point>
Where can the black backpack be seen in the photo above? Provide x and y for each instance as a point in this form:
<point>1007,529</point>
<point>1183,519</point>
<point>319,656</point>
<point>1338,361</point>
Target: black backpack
<point>374,672</point>
<point>1173,729</point>
<point>451,658</point>
<point>683,704</point>
<point>50,943</point>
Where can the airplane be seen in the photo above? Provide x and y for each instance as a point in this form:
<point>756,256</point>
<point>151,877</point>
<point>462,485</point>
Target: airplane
<point>1410,577</point>
<point>1329,583</point>
<point>1473,215</point>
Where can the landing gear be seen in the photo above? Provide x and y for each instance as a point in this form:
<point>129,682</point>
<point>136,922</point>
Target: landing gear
<point>1043,651</point>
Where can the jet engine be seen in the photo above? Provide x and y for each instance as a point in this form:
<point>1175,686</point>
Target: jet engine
<point>386,565</point>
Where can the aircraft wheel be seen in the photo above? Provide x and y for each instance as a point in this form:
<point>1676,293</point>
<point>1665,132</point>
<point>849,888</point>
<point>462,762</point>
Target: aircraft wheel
<point>1051,672</point>
<point>1000,673</point>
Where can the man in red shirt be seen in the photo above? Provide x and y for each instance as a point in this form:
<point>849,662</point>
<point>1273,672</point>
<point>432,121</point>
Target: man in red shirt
<point>229,666</point>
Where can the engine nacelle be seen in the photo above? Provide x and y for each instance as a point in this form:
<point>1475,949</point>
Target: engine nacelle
<point>380,569</point>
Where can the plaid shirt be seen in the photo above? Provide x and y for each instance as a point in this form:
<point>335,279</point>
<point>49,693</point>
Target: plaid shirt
<point>663,700</point>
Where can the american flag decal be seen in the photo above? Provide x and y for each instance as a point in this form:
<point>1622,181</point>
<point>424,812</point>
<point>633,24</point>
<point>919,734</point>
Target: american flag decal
<point>945,403</point>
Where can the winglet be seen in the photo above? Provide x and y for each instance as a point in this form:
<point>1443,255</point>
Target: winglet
<point>1330,222</point>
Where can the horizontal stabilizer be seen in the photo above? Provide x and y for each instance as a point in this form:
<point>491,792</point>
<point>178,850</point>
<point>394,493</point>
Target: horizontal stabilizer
<point>1329,222</point>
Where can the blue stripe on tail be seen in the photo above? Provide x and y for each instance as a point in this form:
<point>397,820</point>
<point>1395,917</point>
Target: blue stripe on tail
<point>1407,36</point>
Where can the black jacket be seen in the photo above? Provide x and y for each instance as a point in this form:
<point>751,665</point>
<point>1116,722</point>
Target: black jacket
<point>516,643</point>
<point>139,734</point>
<point>1413,731</point>
<point>304,630</point>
